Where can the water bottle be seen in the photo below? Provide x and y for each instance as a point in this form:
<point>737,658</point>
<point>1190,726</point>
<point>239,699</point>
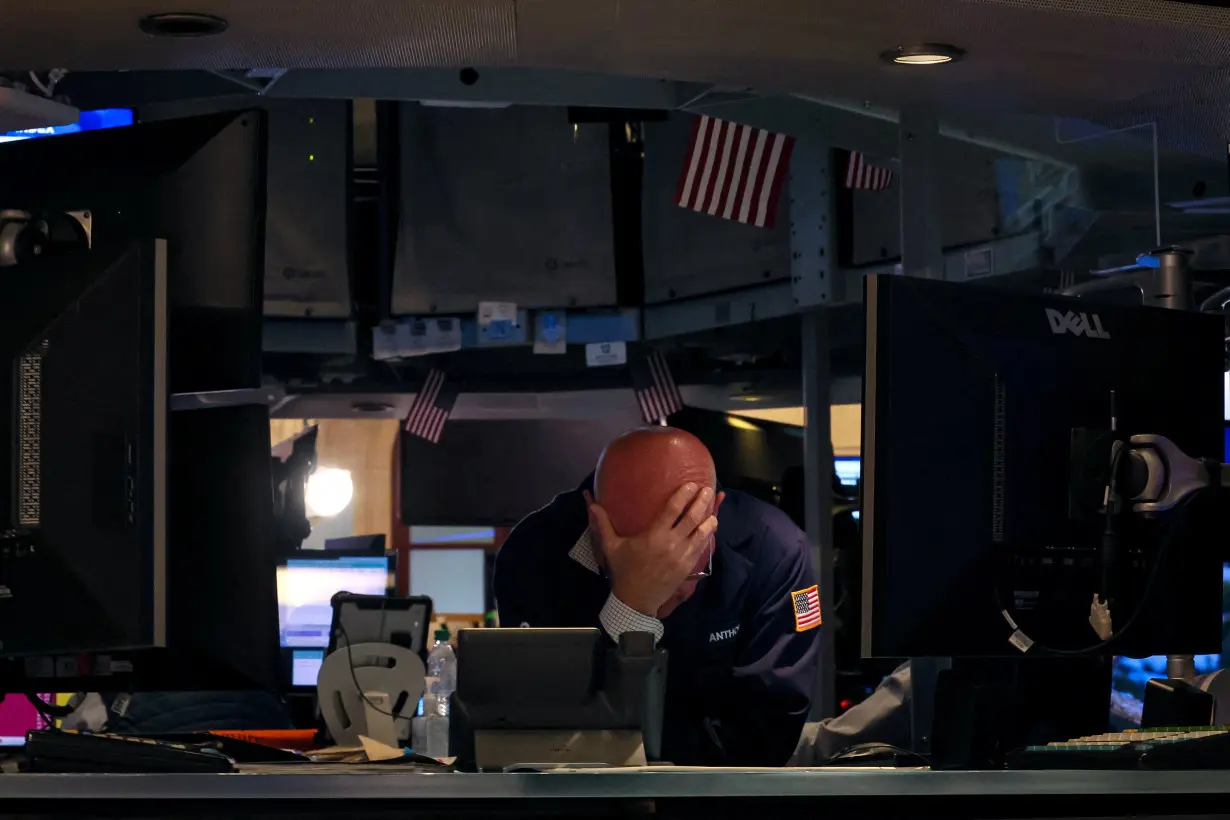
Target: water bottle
<point>440,685</point>
<point>429,731</point>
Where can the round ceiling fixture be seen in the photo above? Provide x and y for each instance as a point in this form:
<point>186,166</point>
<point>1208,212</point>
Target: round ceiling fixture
<point>923,54</point>
<point>182,24</point>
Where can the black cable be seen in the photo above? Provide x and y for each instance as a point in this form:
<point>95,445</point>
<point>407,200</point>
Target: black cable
<point>1163,548</point>
<point>1110,536</point>
<point>41,706</point>
<point>355,677</point>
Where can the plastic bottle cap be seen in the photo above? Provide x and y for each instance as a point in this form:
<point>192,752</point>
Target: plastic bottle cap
<point>442,634</point>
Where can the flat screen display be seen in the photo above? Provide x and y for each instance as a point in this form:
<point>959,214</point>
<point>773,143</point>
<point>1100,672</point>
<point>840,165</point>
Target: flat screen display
<point>305,666</point>
<point>454,579</point>
<point>18,716</point>
<point>88,121</point>
<point>306,587</point>
<point>848,470</point>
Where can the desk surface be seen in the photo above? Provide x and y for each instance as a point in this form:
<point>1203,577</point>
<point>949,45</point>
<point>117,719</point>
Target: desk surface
<point>635,785</point>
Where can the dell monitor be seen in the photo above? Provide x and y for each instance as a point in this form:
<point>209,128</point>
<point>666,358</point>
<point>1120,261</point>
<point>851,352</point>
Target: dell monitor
<point>989,418</point>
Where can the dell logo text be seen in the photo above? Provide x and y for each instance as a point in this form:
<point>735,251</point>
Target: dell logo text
<point>1078,324</point>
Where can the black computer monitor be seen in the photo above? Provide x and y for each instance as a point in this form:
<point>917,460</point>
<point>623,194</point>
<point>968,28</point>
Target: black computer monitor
<point>357,544</point>
<point>83,484</point>
<point>987,419</point>
<point>142,553</point>
<point>154,539</point>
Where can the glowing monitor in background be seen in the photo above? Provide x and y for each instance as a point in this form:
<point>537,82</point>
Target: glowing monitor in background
<point>306,587</point>
<point>18,716</point>
<point>98,120</point>
<point>848,470</point>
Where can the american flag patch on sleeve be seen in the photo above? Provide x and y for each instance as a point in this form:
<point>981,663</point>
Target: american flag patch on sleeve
<point>806,608</point>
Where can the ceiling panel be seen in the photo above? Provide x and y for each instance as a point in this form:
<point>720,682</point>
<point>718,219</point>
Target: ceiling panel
<point>92,34</point>
<point>1115,62</point>
<point>1019,50</point>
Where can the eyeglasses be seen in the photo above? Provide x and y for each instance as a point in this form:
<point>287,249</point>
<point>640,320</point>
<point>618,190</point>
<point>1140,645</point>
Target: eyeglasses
<point>707,571</point>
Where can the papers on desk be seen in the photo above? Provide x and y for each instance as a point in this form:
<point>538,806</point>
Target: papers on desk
<point>720,769</point>
<point>373,751</point>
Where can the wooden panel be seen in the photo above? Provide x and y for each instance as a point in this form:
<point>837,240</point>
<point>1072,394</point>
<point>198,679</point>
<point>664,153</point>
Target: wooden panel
<point>365,448</point>
<point>846,424</point>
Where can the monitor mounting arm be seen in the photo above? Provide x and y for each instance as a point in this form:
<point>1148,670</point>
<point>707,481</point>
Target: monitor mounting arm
<point>1156,476</point>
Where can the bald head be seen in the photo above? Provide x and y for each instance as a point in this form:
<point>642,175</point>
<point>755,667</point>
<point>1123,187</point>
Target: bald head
<point>640,470</point>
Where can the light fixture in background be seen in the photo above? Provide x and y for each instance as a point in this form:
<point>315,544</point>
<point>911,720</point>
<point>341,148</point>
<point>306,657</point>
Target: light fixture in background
<point>743,424</point>
<point>923,54</point>
<point>329,491</point>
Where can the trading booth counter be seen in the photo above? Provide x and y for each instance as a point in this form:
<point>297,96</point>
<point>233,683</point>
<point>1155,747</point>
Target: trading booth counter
<point>303,792</point>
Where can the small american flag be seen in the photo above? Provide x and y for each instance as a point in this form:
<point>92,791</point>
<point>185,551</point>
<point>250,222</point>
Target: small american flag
<point>431,407</point>
<point>806,608</point>
<point>734,171</point>
<point>655,388</point>
<point>863,176</point>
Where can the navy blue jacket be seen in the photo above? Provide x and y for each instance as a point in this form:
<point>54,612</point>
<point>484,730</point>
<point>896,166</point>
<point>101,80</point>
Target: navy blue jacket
<point>739,675</point>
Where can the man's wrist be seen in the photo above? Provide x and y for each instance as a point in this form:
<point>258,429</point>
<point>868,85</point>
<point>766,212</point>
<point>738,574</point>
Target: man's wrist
<point>630,599</point>
<point>617,617</point>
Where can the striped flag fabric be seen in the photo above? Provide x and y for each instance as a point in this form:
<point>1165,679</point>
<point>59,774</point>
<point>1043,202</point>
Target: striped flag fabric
<point>431,407</point>
<point>655,389</point>
<point>861,175</point>
<point>734,171</point>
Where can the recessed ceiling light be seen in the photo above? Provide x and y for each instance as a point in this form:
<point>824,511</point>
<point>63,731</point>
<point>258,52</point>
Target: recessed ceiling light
<point>923,54</point>
<point>182,24</point>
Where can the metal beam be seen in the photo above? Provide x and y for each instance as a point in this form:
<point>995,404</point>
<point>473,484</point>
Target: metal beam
<point>486,87</point>
<point>811,274</point>
<point>817,504</point>
<point>811,196</point>
<point>718,310</point>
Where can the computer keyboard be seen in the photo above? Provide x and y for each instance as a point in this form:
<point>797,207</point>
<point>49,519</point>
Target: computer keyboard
<point>1180,747</point>
<point>70,752</point>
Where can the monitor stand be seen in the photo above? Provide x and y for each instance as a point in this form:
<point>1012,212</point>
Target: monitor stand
<point>985,709</point>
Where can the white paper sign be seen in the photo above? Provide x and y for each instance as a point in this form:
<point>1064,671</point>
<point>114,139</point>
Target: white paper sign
<point>979,262</point>
<point>492,312</point>
<point>603,354</point>
<point>551,333</point>
<point>497,321</point>
<point>416,336</point>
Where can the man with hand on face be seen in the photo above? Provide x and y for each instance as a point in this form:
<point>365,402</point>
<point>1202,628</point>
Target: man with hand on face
<point>649,543</point>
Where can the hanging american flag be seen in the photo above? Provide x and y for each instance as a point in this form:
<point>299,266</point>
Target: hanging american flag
<point>806,608</point>
<point>734,171</point>
<point>863,176</point>
<point>655,388</point>
<point>431,407</point>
